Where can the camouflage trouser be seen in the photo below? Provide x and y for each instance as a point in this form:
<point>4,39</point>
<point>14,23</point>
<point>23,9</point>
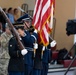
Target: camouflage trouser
<point>3,66</point>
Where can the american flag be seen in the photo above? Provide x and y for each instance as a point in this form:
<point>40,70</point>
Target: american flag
<point>43,19</point>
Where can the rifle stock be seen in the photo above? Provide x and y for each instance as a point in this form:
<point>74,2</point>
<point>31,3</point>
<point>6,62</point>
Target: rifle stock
<point>13,29</point>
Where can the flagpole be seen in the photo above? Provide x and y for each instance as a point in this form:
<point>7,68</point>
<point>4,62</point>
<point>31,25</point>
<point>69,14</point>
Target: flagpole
<point>51,21</point>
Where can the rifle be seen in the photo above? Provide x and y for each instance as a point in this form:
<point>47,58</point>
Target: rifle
<point>24,12</point>
<point>13,29</point>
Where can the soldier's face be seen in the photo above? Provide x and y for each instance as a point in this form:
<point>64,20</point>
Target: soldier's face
<point>21,32</point>
<point>27,24</point>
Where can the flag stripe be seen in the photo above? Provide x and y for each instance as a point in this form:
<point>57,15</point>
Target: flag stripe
<point>44,36</point>
<point>38,11</point>
<point>42,13</point>
<point>48,28</point>
<point>45,10</point>
<point>45,17</point>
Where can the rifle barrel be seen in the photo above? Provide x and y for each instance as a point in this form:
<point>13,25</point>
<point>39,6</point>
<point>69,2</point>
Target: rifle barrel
<point>13,29</point>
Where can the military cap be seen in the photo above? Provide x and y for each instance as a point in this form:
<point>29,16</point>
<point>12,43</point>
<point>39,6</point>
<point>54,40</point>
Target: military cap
<point>19,25</point>
<point>24,17</point>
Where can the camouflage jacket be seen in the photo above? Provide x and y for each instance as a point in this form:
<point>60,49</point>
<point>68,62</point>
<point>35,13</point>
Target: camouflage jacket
<point>4,45</point>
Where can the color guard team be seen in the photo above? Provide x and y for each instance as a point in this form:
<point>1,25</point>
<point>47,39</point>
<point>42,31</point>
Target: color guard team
<point>33,60</point>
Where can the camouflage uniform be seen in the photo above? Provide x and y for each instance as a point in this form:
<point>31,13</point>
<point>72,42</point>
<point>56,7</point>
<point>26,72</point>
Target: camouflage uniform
<point>4,56</point>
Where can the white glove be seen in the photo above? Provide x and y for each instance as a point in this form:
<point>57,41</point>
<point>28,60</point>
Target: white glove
<point>53,43</point>
<point>35,31</point>
<point>43,48</point>
<point>24,51</point>
<point>35,46</point>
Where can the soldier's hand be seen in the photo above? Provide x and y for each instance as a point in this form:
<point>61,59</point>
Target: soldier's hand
<point>24,51</point>
<point>53,43</point>
<point>35,31</point>
<point>35,46</point>
<point>43,48</point>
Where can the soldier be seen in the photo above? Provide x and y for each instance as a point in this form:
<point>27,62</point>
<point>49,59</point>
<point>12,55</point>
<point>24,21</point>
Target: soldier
<point>38,60</point>
<point>16,62</point>
<point>29,40</point>
<point>47,54</point>
<point>4,56</point>
<point>46,60</point>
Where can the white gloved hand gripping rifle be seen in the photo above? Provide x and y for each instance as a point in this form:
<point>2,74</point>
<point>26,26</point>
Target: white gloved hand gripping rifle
<point>24,51</point>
